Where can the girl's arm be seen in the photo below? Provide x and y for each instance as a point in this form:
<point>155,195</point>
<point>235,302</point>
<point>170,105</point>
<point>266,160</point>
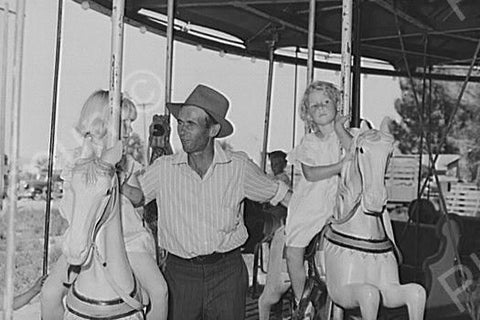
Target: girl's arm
<point>24,298</point>
<point>130,187</point>
<point>318,173</point>
<point>343,135</point>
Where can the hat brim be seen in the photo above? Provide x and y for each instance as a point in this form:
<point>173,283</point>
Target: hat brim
<point>226,127</point>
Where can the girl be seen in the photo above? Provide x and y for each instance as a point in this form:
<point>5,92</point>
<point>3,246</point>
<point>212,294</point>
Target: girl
<point>95,123</point>
<point>318,155</point>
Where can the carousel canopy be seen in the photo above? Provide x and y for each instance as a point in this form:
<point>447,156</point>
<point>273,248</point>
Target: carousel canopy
<point>404,33</point>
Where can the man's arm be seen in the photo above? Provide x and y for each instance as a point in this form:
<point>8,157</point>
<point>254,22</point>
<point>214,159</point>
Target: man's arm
<point>259,187</point>
<point>133,191</point>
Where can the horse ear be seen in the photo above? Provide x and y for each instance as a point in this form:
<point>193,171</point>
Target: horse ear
<point>385,125</point>
<point>364,126</point>
<point>113,154</point>
<point>87,149</point>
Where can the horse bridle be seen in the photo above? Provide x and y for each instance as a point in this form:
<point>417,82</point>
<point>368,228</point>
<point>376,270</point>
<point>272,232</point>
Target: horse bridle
<point>113,193</point>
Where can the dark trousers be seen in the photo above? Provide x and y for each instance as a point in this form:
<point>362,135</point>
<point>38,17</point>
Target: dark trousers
<point>205,290</point>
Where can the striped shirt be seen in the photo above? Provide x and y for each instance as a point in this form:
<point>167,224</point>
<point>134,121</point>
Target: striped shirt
<point>198,216</point>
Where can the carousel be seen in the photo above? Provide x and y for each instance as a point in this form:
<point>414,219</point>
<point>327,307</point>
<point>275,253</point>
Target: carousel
<point>423,264</point>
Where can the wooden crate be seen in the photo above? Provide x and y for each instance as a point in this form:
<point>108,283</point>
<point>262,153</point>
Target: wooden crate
<point>401,178</point>
<point>463,199</point>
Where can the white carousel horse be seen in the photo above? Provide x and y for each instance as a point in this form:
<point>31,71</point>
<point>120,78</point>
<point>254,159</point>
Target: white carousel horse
<point>360,263</point>
<point>104,286</point>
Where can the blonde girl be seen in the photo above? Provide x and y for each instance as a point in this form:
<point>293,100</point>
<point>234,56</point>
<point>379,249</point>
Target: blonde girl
<point>317,156</point>
<point>94,124</point>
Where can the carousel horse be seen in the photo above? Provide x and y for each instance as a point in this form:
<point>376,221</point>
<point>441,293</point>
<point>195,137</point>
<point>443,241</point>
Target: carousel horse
<point>360,253</point>
<point>100,280</point>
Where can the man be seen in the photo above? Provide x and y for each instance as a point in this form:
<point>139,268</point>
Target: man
<point>199,191</point>
<point>278,163</point>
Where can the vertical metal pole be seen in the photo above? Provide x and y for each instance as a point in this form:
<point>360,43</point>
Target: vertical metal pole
<point>268,104</point>
<point>169,60</point>
<point>311,42</point>
<point>14,146</point>
<point>169,57</point>
<point>3,97</point>
<point>345,83</point>
<point>116,60</point>
<point>53,122</point>
<point>356,97</point>
<point>294,120</point>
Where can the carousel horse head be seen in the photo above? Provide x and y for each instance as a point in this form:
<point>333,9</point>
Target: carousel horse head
<point>363,177</point>
<point>92,190</point>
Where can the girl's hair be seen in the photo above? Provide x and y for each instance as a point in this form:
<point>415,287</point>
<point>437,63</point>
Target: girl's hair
<point>95,117</point>
<point>330,90</point>
<point>129,110</point>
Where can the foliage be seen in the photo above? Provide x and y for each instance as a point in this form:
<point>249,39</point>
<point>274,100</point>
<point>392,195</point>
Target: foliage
<point>135,147</point>
<point>29,222</point>
<point>440,102</point>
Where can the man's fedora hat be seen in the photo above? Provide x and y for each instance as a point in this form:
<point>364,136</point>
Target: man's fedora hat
<point>212,102</point>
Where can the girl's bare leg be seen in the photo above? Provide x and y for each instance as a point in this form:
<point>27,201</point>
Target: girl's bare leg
<point>152,280</point>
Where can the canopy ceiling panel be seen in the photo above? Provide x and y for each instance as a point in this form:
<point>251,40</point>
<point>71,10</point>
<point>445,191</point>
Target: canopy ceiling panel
<point>435,32</point>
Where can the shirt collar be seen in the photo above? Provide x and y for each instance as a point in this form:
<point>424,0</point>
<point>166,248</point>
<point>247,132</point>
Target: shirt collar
<point>219,155</point>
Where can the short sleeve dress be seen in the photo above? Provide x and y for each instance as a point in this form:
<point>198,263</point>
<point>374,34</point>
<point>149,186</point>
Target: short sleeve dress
<point>312,203</point>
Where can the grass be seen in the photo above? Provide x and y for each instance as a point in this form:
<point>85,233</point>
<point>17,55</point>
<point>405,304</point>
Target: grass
<point>29,230</point>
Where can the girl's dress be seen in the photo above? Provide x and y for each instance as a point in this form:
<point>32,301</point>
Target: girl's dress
<point>312,203</point>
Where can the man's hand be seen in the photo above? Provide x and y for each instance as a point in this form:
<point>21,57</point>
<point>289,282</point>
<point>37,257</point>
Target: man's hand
<point>287,198</point>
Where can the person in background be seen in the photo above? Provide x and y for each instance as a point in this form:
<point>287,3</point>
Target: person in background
<point>278,163</point>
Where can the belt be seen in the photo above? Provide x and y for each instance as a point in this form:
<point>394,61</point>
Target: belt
<point>207,258</point>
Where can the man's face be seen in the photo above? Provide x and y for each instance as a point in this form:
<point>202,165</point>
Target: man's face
<point>192,129</point>
<point>278,164</point>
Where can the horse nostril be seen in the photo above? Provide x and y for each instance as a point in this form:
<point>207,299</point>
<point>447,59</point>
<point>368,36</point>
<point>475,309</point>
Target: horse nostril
<point>361,150</point>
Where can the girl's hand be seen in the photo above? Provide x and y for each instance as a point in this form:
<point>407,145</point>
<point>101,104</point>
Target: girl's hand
<point>37,286</point>
<point>340,122</point>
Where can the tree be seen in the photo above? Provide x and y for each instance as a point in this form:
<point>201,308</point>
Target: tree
<point>440,102</point>
<point>135,147</point>
<point>40,163</point>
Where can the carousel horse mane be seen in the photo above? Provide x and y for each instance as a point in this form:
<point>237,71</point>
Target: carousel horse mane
<point>370,150</point>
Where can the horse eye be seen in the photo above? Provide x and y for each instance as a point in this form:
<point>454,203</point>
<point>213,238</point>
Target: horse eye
<point>109,192</point>
<point>361,150</point>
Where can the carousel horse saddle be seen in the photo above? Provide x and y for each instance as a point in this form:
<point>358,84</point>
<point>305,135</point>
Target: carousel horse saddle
<point>88,308</point>
<point>351,242</point>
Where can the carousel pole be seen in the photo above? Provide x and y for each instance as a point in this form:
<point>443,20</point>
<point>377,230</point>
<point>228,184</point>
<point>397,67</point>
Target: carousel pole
<point>14,147</point>
<point>311,42</point>
<point>3,98</point>
<point>268,104</point>
<point>345,81</point>
<point>53,121</point>
<point>169,57</point>
<point>115,93</point>
<point>356,83</point>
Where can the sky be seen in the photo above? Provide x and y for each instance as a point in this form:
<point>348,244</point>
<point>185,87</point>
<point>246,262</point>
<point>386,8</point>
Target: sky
<point>85,68</point>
